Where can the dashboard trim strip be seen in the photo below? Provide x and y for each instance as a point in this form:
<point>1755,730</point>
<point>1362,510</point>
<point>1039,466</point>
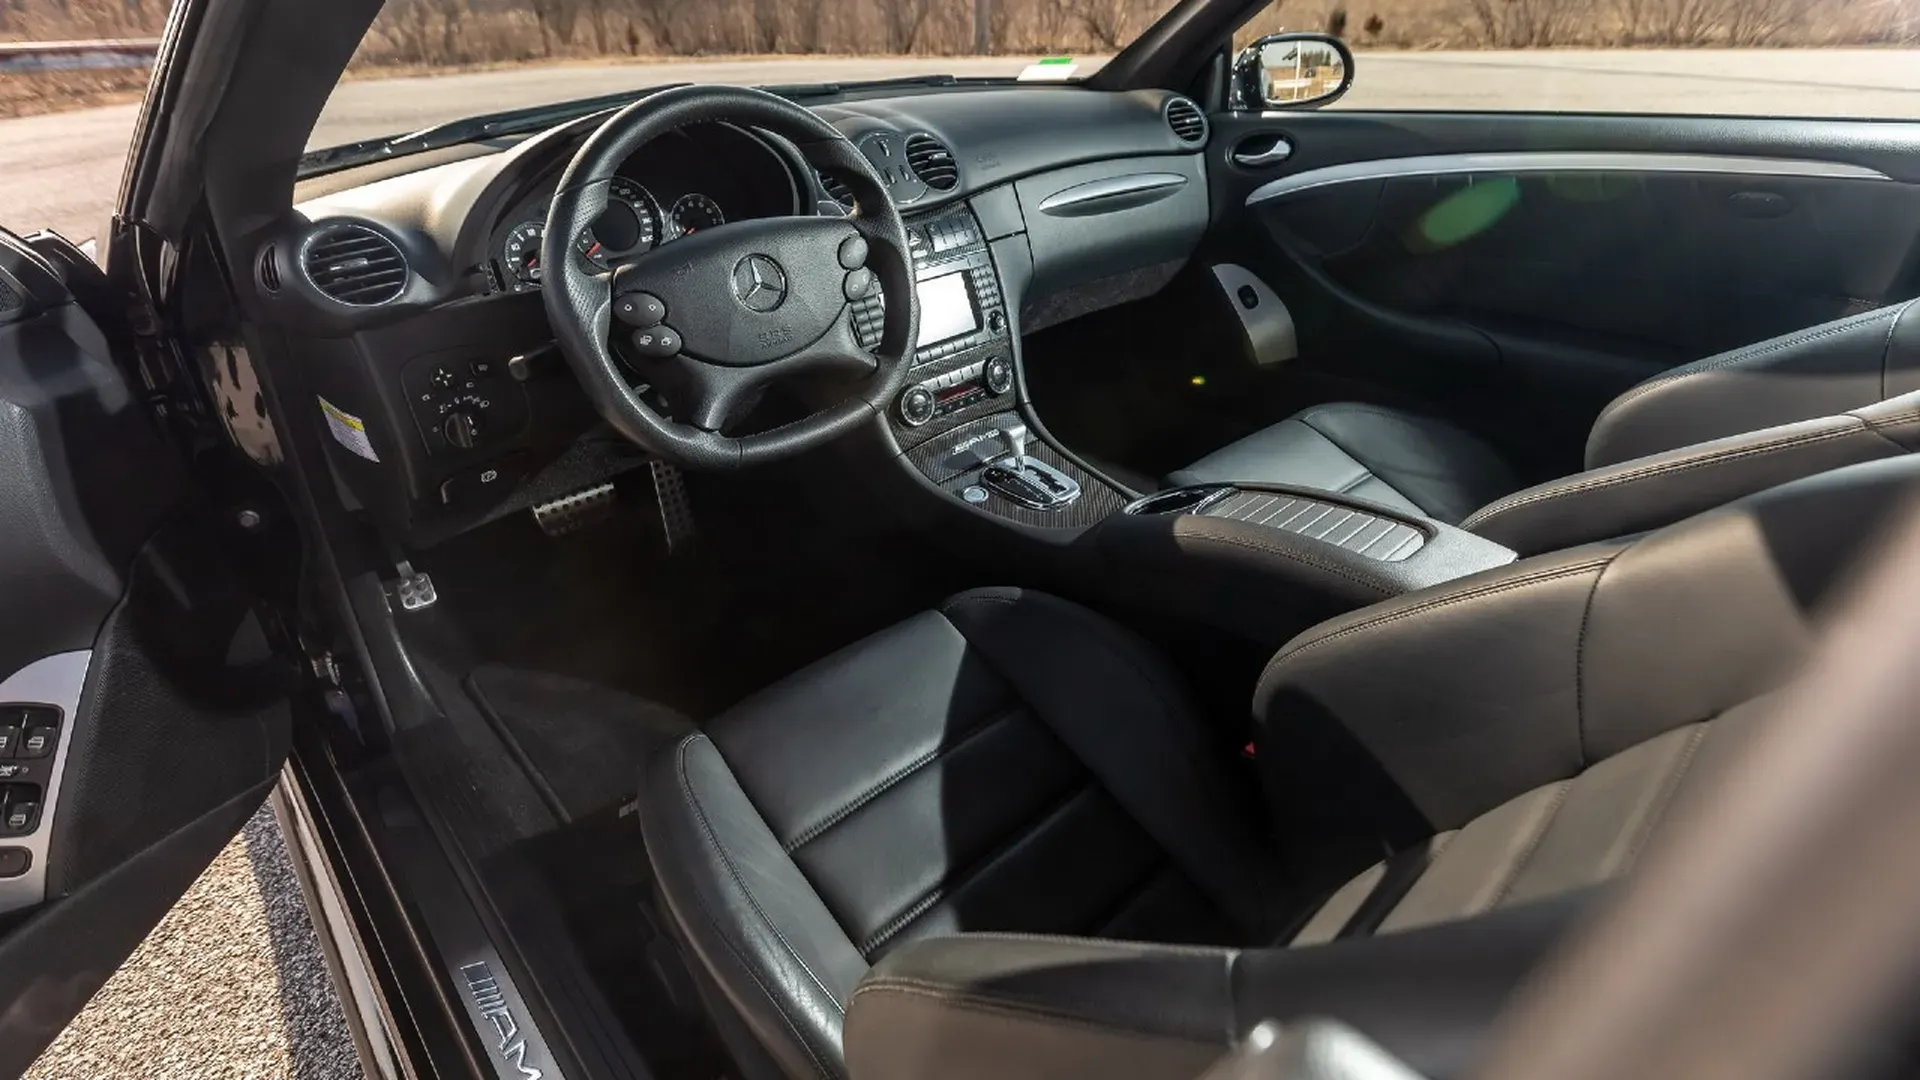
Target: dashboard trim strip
<point>1557,162</point>
<point>1112,193</point>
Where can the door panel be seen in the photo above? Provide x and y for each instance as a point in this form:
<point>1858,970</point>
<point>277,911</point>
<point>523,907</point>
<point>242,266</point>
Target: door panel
<point>1517,271</point>
<point>142,715</point>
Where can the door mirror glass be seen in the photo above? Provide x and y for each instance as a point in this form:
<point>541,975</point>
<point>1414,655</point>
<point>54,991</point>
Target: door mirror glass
<point>1291,71</point>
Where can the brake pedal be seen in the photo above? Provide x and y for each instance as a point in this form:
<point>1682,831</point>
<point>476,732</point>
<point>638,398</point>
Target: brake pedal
<point>576,511</point>
<point>676,509</point>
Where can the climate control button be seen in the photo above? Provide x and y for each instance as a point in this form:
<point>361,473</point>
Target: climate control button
<point>917,405</point>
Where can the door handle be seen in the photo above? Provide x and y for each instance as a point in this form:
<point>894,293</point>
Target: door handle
<point>1281,150</point>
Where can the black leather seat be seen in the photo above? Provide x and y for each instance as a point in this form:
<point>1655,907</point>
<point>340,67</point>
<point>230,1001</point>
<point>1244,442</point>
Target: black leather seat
<point>1015,763</point>
<point>1730,409</point>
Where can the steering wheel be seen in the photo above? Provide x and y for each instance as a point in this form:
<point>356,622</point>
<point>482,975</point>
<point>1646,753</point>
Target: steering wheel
<point>712,319</point>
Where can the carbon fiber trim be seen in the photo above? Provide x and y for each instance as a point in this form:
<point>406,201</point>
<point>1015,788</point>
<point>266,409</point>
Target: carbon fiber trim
<point>1096,502</point>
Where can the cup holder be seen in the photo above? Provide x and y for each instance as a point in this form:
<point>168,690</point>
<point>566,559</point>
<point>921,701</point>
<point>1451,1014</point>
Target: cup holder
<point>1184,500</point>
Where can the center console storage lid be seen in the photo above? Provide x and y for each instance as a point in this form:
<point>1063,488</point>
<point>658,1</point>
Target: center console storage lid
<point>1267,561</point>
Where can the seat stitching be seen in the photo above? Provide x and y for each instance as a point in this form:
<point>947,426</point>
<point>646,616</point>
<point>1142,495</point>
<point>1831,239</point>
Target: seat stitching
<point>895,778</point>
<point>1670,787</point>
<point>713,841</point>
<point>1555,491</point>
<point>1533,845</point>
<point>1886,345</point>
<point>1741,356</point>
<point>1424,607</point>
<point>1580,668</point>
<point>953,884</point>
<point>947,995</point>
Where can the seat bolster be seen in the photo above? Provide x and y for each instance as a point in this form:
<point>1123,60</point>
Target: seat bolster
<point>743,907</point>
<point>1005,1005</point>
<point>1015,1007</point>
<point>1822,371</point>
<point>1660,489</point>
<point>1124,713</point>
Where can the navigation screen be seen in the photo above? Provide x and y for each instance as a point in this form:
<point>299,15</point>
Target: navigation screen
<point>946,309</point>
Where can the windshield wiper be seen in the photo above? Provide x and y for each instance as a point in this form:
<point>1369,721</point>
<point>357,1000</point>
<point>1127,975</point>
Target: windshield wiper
<point>465,130</point>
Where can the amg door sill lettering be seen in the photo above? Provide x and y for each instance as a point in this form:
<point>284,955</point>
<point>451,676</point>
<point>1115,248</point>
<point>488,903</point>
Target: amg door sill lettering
<point>1558,162</point>
<point>491,1001</point>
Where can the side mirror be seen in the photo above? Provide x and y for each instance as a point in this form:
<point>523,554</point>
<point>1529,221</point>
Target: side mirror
<point>1291,71</point>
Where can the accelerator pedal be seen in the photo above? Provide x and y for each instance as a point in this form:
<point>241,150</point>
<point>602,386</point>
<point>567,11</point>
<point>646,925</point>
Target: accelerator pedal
<point>676,509</point>
<point>576,510</point>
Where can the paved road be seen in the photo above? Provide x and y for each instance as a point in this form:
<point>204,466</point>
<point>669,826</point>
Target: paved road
<point>62,170</point>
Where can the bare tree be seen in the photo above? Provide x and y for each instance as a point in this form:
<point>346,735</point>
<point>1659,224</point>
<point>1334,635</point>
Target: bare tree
<point>902,20</point>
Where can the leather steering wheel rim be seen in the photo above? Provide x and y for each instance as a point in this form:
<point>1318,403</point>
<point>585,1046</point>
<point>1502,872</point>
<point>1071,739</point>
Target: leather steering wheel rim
<point>579,297</point>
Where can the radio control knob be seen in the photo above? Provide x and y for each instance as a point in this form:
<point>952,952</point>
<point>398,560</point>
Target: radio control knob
<point>998,375</point>
<point>916,406</point>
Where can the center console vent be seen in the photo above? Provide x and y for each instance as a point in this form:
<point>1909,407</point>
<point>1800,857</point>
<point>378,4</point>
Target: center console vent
<point>1189,124</point>
<point>932,162</point>
<point>354,265</point>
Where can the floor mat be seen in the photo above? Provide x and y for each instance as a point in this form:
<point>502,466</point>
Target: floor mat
<point>582,745</point>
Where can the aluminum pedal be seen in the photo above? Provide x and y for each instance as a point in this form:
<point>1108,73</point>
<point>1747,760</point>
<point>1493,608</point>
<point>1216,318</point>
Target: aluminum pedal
<point>575,511</point>
<point>676,509</point>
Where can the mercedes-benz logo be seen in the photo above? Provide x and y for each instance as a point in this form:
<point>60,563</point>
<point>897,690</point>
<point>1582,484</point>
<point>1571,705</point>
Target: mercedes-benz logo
<point>759,283</point>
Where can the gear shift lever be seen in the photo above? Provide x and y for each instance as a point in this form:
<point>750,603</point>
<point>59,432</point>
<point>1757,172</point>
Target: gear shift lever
<point>1015,436</point>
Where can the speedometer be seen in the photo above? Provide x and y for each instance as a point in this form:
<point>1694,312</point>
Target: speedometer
<point>628,226</point>
<point>692,213</point>
<point>522,254</point>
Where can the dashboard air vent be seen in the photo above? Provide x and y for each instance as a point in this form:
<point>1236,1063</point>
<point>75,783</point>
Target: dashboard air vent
<point>354,265</point>
<point>269,270</point>
<point>1189,124</point>
<point>837,190</point>
<point>932,162</point>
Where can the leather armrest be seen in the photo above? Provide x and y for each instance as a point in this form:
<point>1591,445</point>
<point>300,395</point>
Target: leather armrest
<point>1660,489</point>
<point>1266,583</point>
<point>1017,1006</point>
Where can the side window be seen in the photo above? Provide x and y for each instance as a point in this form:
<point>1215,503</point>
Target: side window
<point>1816,58</point>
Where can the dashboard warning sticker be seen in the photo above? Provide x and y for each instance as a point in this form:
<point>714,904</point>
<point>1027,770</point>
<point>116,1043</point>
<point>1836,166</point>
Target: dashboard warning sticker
<point>348,430</point>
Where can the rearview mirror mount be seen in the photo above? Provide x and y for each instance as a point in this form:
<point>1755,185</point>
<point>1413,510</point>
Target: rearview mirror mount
<point>1291,71</point>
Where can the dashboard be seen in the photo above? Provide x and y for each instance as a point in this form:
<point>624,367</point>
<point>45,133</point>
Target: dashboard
<point>699,177</point>
<point>412,299</point>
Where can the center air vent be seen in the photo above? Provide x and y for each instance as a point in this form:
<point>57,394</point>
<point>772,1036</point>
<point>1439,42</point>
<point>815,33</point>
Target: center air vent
<point>1189,124</point>
<point>354,265</point>
<point>932,162</point>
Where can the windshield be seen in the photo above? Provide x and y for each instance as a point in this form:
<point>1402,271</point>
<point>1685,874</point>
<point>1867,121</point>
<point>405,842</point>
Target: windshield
<point>428,62</point>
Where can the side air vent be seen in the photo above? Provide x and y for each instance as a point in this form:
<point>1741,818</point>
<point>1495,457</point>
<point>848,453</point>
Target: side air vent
<point>354,265</point>
<point>1189,124</point>
<point>932,162</point>
<point>270,269</point>
<point>837,190</point>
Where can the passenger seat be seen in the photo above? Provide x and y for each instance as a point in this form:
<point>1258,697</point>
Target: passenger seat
<point>1730,425</point>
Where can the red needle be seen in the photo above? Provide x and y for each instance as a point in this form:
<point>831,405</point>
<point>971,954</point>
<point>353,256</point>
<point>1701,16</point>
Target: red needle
<point>594,250</point>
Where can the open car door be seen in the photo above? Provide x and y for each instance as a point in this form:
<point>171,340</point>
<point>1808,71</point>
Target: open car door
<point>144,714</point>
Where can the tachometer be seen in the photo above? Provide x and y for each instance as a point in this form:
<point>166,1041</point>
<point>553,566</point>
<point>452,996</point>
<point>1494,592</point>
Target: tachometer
<point>629,225</point>
<point>694,212</point>
<point>522,254</point>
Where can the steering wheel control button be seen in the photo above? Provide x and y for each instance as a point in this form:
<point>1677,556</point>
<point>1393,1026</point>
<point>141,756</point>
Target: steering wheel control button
<point>853,253</point>
<point>640,310</point>
<point>14,861</point>
<point>758,283</point>
<point>859,284</point>
<point>998,375</point>
<point>974,494</point>
<point>916,406</point>
<point>657,343</point>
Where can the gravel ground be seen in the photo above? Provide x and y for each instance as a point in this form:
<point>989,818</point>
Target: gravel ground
<point>230,986</point>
